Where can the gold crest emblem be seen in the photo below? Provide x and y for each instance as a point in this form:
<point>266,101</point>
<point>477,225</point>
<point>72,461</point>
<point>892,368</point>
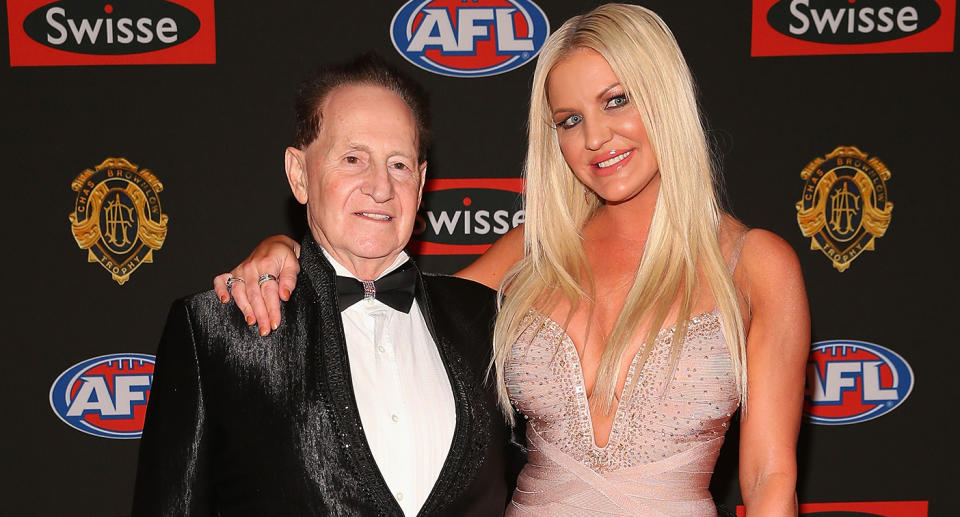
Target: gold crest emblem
<point>844,207</point>
<point>117,216</point>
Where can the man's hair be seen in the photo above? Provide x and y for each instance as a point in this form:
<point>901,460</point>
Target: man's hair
<point>366,69</point>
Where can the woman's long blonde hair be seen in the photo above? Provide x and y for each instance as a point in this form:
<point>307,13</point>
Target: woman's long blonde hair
<point>684,233</point>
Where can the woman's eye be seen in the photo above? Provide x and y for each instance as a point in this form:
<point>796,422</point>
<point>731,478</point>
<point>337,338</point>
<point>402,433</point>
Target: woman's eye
<point>570,121</point>
<point>616,102</point>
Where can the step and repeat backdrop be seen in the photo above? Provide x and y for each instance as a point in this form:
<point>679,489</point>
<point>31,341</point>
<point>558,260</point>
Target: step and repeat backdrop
<point>143,142</point>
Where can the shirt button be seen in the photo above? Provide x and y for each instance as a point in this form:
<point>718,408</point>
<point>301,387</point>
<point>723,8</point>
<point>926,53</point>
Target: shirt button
<point>399,496</point>
<point>381,349</point>
<point>395,418</point>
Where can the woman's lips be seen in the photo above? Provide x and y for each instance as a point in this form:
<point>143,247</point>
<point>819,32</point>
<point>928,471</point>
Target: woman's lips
<point>613,164</point>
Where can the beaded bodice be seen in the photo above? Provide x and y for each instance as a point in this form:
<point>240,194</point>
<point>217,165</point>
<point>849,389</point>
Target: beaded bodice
<point>666,413</point>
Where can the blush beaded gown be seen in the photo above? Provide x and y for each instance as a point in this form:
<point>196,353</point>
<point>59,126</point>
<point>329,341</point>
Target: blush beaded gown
<point>666,434</point>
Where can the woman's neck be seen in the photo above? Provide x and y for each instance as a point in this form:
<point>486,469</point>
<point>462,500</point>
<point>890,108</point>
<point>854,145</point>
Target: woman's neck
<point>628,220</point>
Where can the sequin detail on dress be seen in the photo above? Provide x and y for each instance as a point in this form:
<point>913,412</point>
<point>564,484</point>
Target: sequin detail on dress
<point>664,440</point>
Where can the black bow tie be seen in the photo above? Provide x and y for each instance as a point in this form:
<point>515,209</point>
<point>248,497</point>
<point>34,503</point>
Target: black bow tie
<point>394,290</point>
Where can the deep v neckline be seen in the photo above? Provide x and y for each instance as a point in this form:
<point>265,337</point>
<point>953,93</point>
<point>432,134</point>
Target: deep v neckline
<point>585,414</point>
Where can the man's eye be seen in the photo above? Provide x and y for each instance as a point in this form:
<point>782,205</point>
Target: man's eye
<point>618,101</point>
<point>353,160</point>
<point>570,121</point>
<point>400,166</point>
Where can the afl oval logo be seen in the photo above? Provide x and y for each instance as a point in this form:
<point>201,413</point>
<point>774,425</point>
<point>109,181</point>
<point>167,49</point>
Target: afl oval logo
<point>469,39</point>
<point>854,381</point>
<point>105,396</point>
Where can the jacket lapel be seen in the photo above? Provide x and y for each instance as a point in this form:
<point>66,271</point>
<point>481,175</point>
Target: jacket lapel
<point>471,433</point>
<point>334,386</point>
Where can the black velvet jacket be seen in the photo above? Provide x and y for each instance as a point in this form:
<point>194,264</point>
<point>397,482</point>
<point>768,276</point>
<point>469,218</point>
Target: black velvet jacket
<point>239,424</point>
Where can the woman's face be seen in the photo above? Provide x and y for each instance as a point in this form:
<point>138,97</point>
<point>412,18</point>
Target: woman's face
<point>600,130</point>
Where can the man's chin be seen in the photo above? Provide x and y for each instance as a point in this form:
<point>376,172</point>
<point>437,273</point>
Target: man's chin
<point>376,256</point>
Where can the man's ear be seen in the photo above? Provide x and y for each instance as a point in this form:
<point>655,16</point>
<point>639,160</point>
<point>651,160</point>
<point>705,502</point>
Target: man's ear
<point>423,180</point>
<point>295,163</point>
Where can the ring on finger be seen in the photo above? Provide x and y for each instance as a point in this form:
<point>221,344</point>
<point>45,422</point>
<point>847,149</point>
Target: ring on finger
<point>232,280</point>
<point>266,277</point>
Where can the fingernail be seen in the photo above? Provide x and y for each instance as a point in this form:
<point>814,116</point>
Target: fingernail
<point>224,299</point>
<point>264,332</point>
<point>250,320</point>
<point>286,294</point>
<point>275,325</point>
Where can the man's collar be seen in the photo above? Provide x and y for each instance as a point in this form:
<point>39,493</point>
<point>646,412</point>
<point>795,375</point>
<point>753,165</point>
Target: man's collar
<point>341,270</point>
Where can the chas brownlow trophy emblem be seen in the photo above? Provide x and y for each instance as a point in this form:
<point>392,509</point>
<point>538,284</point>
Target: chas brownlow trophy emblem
<point>844,207</point>
<point>117,216</point>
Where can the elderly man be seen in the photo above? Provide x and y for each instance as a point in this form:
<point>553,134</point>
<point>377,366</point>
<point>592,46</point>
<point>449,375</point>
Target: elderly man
<point>369,397</point>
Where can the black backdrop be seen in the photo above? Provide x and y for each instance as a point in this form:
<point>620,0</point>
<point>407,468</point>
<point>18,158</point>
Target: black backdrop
<point>214,134</point>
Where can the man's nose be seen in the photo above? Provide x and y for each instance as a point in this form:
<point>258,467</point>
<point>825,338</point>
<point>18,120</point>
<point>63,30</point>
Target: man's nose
<point>596,134</point>
<point>378,184</point>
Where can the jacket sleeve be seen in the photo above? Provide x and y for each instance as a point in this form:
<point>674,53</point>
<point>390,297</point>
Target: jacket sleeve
<point>173,471</point>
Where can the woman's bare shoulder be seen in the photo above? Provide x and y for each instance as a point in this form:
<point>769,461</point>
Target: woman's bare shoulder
<point>766,253</point>
<point>769,269</point>
<point>753,245</point>
<point>762,261</point>
<point>490,267</point>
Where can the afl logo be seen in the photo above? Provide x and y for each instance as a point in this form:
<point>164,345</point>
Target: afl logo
<point>853,381</point>
<point>474,38</point>
<point>105,396</point>
<point>466,216</point>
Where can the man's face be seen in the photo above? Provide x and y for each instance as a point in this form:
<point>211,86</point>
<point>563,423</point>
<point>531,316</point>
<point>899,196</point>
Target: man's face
<point>360,178</point>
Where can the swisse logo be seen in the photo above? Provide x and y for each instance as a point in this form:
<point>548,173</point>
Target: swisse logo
<point>859,21</point>
<point>70,32</point>
<point>854,381</point>
<point>472,38</point>
<point>466,216</point>
<point>859,509</point>
<point>81,27</point>
<point>105,396</point>
<point>798,27</point>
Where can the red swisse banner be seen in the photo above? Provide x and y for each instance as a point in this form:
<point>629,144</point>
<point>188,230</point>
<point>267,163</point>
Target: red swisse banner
<point>466,216</point>
<point>812,27</point>
<point>872,508</point>
<point>111,32</point>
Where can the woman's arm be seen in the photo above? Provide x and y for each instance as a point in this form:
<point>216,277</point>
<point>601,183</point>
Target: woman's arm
<point>778,343</point>
<point>276,255</point>
<point>490,267</point>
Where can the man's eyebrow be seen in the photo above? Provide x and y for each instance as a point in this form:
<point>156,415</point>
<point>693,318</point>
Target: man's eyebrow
<point>354,146</point>
<point>404,154</point>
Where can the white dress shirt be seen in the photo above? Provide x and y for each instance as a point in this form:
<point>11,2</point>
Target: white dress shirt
<point>402,392</point>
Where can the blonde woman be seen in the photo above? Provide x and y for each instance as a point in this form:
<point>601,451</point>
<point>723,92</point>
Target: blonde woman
<point>636,315</point>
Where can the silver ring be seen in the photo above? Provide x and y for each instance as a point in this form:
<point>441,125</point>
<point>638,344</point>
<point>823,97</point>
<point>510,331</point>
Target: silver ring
<point>266,277</point>
<point>232,280</point>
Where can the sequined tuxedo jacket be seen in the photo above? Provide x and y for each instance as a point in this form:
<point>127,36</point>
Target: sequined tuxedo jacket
<point>239,424</point>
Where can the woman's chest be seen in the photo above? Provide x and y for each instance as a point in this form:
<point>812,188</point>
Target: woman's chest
<point>667,402</point>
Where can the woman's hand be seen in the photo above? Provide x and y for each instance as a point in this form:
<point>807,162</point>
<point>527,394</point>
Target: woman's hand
<point>260,303</point>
